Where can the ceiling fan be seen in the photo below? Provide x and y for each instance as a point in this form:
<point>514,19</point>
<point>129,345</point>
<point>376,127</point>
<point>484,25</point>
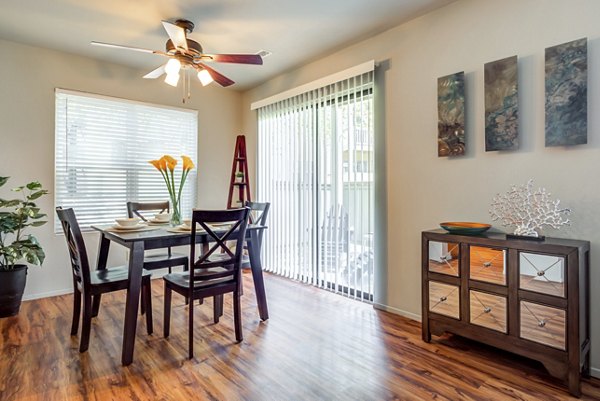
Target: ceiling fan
<point>187,54</point>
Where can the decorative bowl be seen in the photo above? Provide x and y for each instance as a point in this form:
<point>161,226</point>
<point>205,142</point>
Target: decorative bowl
<point>463,227</point>
<point>128,222</point>
<point>162,217</point>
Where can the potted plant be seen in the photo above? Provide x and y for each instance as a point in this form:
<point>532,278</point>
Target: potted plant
<point>16,215</point>
<point>239,176</point>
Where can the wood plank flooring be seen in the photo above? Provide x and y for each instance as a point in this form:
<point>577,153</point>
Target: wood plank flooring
<point>315,346</point>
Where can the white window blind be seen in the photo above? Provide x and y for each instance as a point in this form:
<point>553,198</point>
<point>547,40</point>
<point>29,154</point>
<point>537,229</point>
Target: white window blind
<point>315,166</point>
<point>102,149</point>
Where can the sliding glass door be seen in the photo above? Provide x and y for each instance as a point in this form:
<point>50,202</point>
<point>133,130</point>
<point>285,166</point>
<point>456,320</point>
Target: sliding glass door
<point>316,168</point>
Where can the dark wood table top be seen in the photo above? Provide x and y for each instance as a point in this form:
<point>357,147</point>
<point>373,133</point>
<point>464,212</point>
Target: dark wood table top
<point>161,235</point>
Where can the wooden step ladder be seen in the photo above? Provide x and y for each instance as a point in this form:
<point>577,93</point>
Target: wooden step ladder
<point>239,176</point>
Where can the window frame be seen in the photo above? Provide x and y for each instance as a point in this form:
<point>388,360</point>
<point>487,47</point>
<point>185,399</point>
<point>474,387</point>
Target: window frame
<point>147,175</point>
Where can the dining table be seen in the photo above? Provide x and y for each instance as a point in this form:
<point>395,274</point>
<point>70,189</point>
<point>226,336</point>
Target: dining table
<point>157,237</point>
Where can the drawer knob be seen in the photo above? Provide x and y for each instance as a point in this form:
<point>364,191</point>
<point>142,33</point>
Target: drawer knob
<point>442,299</point>
<point>541,273</point>
<point>542,323</point>
<point>487,309</point>
<point>487,264</point>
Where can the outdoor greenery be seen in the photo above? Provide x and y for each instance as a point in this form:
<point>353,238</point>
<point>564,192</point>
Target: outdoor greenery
<point>16,215</point>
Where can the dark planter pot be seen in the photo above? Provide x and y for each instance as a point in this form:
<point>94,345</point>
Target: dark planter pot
<point>12,285</point>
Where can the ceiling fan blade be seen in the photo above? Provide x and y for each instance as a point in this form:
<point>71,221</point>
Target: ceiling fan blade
<point>137,49</point>
<point>155,73</point>
<point>233,58</point>
<point>176,34</point>
<point>217,76</point>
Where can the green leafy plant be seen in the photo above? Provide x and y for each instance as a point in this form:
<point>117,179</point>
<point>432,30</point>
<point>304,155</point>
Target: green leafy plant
<point>16,215</point>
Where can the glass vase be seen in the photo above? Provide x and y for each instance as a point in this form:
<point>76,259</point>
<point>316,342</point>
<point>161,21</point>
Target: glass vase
<point>175,214</point>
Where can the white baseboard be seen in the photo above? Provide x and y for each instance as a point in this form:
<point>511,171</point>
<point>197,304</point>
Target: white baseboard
<point>156,274</point>
<point>396,311</point>
<point>595,372</point>
<point>48,294</point>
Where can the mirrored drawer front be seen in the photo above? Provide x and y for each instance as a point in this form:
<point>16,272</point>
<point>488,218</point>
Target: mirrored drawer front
<point>543,324</point>
<point>542,273</point>
<point>488,310</point>
<point>444,299</point>
<point>487,264</point>
<point>444,258</point>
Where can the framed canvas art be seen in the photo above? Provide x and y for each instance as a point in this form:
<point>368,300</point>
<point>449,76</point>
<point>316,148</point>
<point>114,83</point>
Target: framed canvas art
<point>451,115</point>
<point>566,94</point>
<point>501,105</point>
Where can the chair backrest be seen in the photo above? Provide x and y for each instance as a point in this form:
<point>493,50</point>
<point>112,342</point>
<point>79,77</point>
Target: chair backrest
<point>218,236</point>
<point>134,208</point>
<point>258,215</point>
<point>79,260</point>
<point>258,212</point>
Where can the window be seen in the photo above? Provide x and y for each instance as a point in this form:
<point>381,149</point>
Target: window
<point>102,149</point>
<point>315,164</point>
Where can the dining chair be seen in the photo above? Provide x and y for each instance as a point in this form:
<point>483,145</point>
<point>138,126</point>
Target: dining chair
<point>161,260</point>
<point>257,215</point>
<point>213,273</point>
<point>88,284</point>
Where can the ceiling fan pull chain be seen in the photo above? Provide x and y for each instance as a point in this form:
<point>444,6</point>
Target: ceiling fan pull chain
<point>189,81</point>
<point>183,87</point>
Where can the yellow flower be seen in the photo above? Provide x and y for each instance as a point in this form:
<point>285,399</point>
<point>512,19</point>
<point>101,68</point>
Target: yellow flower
<point>188,164</point>
<point>169,162</point>
<point>156,163</point>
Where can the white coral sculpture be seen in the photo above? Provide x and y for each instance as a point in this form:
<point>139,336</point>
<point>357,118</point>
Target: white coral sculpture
<point>528,210</point>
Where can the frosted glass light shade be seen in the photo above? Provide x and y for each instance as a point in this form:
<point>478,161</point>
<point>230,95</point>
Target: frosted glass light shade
<point>172,66</point>
<point>204,77</point>
<point>172,79</point>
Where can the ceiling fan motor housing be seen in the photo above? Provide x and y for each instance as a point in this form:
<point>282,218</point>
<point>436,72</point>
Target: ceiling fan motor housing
<point>193,47</point>
<point>185,24</point>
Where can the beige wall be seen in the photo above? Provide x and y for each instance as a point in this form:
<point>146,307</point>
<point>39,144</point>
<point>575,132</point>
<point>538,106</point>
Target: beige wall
<point>29,76</point>
<point>422,189</point>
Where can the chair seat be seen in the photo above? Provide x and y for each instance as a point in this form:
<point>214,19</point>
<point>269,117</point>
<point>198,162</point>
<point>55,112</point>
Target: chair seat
<point>112,275</point>
<point>165,260</point>
<point>181,280</point>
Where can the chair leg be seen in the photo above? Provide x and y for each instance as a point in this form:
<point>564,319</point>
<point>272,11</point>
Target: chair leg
<point>217,307</point>
<point>143,296</point>
<point>167,312</point>
<point>76,311</point>
<point>86,327</point>
<point>96,305</point>
<point>237,316</point>
<point>148,303</point>
<point>191,330</point>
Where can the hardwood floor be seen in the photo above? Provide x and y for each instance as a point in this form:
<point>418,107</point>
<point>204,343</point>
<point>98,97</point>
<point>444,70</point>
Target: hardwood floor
<point>315,346</point>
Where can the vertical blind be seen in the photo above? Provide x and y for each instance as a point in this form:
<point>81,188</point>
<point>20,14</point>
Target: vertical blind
<point>102,149</point>
<point>315,166</point>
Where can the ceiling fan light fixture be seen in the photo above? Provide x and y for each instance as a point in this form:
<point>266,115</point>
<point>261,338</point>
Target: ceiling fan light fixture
<point>172,79</point>
<point>204,77</point>
<point>173,66</point>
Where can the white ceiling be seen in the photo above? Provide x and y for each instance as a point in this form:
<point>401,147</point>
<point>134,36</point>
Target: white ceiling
<point>294,31</point>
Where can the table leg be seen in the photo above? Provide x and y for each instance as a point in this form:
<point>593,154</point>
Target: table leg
<point>257,276</point>
<point>100,265</point>
<point>136,261</point>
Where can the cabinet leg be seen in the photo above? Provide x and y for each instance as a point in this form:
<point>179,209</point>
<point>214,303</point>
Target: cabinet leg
<point>574,382</point>
<point>426,333</point>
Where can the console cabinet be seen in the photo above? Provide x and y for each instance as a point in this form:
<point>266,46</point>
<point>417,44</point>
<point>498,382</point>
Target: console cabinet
<point>524,296</point>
